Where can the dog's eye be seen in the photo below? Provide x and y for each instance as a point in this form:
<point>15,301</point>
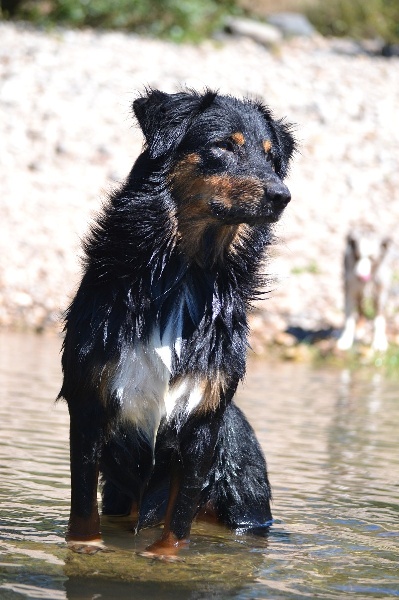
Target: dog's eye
<point>227,145</point>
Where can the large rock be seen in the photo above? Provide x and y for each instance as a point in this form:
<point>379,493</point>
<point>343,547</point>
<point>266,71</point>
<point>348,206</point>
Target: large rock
<point>291,23</point>
<point>259,32</point>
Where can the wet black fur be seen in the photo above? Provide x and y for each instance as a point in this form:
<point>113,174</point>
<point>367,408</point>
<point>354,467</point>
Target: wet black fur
<point>134,276</point>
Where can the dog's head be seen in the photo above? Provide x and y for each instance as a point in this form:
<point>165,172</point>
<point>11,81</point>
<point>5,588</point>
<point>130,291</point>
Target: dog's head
<point>364,253</point>
<point>227,158</point>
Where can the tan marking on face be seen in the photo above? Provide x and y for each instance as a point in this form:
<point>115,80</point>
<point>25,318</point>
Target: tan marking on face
<point>193,158</point>
<point>267,146</point>
<point>238,138</point>
<point>194,192</point>
<point>240,238</point>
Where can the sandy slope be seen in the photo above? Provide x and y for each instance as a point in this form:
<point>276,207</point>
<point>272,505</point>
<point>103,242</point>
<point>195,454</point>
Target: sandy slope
<point>66,137</point>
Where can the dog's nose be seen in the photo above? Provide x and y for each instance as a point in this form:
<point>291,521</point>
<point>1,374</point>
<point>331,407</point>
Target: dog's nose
<point>278,194</point>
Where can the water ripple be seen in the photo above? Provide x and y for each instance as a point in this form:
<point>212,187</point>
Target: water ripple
<point>331,444</point>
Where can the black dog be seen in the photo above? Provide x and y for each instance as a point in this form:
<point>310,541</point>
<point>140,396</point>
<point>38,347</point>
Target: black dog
<point>156,337</point>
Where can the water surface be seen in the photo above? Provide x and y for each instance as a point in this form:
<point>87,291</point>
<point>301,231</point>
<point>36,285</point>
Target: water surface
<point>331,441</point>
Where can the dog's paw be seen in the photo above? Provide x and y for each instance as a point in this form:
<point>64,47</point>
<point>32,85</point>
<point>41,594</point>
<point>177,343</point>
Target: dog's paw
<point>91,547</point>
<point>344,343</point>
<point>380,344</point>
<point>169,558</point>
<point>165,549</point>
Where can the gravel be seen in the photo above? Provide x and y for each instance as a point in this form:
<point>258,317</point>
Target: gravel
<point>67,137</point>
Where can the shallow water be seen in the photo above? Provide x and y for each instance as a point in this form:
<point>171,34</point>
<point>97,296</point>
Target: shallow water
<point>331,440</point>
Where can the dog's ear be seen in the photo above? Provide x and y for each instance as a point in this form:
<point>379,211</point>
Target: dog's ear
<point>283,140</point>
<point>150,112</point>
<point>350,239</point>
<point>385,243</point>
<point>165,118</point>
<point>352,244</point>
<point>286,144</point>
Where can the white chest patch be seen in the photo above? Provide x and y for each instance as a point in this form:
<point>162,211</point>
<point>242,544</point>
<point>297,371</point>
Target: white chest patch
<point>142,376</point>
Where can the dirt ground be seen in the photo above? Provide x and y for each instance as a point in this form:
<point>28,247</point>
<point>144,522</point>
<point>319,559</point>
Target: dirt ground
<point>67,137</point>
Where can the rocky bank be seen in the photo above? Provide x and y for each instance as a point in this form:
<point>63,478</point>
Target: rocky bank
<point>67,137</point>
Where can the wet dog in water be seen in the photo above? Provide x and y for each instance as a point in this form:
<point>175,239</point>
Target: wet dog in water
<point>366,269</point>
<point>156,336</point>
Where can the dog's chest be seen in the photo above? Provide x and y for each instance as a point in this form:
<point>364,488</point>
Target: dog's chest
<point>141,380</point>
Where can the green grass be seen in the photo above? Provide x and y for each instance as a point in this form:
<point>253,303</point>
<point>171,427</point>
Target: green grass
<point>179,20</point>
<point>360,19</point>
<point>358,358</point>
<point>194,20</point>
<point>312,268</point>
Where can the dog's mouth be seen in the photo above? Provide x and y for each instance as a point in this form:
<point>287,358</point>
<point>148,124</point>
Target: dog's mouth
<point>251,215</point>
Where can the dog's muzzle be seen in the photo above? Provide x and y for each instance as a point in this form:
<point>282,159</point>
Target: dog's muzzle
<point>265,209</point>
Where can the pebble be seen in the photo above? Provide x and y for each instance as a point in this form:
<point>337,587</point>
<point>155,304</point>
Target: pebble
<point>67,137</point>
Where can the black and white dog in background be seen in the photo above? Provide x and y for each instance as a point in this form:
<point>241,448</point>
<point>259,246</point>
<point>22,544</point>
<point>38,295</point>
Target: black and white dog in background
<point>367,272</point>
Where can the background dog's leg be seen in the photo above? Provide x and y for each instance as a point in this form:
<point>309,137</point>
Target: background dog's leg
<point>348,335</point>
<point>83,534</point>
<point>380,342</point>
<point>190,470</point>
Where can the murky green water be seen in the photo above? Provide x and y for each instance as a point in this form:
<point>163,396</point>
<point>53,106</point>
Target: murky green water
<point>331,440</point>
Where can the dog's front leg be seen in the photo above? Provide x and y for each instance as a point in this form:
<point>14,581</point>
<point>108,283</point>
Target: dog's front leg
<point>380,342</point>
<point>189,473</point>
<point>347,337</point>
<point>83,533</point>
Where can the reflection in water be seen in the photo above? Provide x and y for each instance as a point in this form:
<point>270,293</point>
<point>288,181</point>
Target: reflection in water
<point>331,442</point>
